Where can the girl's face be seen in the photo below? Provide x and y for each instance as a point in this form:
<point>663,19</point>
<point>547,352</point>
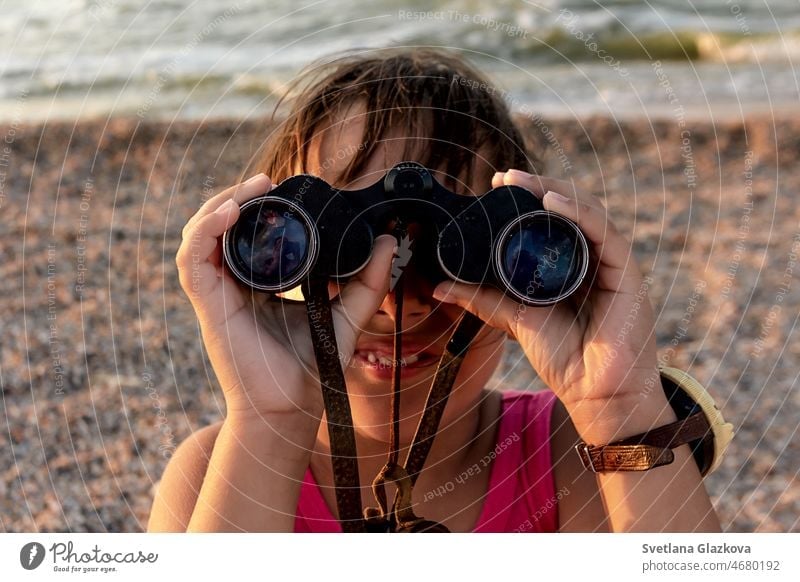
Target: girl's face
<point>426,323</point>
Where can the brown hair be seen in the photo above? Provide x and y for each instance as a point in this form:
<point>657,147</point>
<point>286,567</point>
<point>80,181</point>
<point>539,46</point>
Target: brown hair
<point>429,94</point>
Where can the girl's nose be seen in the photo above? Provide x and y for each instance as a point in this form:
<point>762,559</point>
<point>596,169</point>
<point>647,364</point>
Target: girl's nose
<point>417,299</point>
<point>415,309</point>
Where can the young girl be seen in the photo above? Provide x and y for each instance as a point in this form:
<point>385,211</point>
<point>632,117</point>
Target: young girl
<point>501,461</point>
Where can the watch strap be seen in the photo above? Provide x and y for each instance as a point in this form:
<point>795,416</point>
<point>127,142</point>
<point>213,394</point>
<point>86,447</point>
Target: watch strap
<point>646,450</point>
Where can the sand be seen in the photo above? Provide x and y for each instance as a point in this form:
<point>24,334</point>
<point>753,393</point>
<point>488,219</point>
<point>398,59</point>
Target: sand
<point>101,363</point>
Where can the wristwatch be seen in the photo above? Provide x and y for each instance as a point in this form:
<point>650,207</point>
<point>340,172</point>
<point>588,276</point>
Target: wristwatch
<point>700,425</point>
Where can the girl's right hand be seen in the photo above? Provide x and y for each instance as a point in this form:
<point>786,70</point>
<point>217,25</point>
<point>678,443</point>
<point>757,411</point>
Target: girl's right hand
<point>266,366</point>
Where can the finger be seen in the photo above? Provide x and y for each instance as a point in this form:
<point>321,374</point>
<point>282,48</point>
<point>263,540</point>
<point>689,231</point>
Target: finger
<point>613,251</point>
<point>361,297</point>
<point>539,185</point>
<point>240,193</point>
<point>487,303</point>
<point>497,179</point>
<point>519,321</point>
<point>192,258</point>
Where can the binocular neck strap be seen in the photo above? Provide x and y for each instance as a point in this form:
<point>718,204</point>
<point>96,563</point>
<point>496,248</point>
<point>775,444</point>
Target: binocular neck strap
<point>337,405</point>
<point>344,458</point>
<point>402,518</point>
<point>466,330</point>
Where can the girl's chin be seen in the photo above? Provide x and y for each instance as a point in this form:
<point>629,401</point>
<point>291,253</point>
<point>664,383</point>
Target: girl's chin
<point>414,387</point>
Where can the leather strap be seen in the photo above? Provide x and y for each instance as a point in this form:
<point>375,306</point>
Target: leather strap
<point>644,451</point>
<point>401,517</point>
<point>467,328</point>
<point>337,405</point>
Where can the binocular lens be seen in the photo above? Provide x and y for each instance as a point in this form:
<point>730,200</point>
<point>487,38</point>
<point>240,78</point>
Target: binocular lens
<point>542,257</point>
<point>273,244</point>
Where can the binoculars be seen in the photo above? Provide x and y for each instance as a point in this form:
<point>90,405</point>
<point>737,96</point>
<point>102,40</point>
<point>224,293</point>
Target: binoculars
<point>505,238</point>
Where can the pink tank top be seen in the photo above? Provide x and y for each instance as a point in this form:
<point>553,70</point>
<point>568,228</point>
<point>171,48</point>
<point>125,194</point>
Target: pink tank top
<point>521,495</point>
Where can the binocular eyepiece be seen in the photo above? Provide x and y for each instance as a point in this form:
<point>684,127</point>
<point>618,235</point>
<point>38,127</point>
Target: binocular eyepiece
<point>505,238</point>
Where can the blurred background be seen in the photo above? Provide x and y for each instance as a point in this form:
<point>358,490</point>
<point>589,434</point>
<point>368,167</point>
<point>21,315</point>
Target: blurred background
<point>118,119</point>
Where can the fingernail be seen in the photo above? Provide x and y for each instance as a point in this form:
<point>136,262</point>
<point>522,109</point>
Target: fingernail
<point>497,175</point>
<point>556,197</point>
<point>439,295</point>
<point>390,237</point>
<point>520,173</point>
<point>225,208</point>
<point>442,293</point>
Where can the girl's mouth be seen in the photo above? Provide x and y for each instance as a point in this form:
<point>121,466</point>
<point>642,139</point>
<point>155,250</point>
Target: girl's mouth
<point>381,364</point>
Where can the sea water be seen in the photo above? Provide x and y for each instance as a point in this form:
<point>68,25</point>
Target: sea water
<point>194,59</point>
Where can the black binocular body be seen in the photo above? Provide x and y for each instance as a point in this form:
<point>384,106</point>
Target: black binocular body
<point>505,238</point>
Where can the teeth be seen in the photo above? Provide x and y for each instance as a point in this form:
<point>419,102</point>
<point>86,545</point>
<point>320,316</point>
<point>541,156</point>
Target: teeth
<point>374,358</point>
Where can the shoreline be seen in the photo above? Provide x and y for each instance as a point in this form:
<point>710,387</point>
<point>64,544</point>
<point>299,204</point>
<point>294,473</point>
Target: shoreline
<point>728,112</point>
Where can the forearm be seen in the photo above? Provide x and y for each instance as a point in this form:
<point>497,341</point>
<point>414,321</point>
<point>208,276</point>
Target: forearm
<point>666,498</point>
<point>254,475</point>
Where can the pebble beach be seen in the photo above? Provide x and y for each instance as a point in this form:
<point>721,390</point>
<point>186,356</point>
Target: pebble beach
<point>102,369</point>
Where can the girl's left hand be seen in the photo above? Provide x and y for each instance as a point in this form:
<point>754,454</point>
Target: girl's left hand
<point>599,357</point>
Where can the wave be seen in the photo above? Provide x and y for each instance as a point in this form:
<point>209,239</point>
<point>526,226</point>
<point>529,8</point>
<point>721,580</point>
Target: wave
<point>249,55</point>
<point>722,47</point>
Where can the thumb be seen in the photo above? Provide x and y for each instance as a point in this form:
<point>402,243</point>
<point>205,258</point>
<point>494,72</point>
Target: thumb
<point>486,303</point>
<point>363,294</point>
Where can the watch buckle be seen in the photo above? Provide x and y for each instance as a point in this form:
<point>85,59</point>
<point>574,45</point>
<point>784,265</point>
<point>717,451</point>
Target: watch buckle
<point>583,452</point>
